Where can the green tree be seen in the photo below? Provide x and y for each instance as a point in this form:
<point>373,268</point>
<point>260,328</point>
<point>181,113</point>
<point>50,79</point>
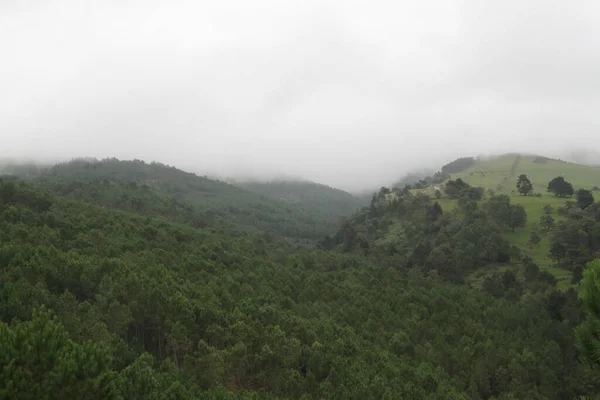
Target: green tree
<point>534,239</point>
<point>531,271</point>
<point>524,185</point>
<point>588,333</point>
<point>585,198</point>
<point>560,187</point>
<point>518,217</point>
<point>547,222</point>
<point>40,361</point>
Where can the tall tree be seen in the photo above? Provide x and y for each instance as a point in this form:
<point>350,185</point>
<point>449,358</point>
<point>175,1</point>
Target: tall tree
<point>524,185</point>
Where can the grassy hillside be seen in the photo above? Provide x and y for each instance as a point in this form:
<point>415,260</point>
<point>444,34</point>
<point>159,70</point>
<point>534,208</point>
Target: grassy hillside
<point>329,203</point>
<point>499,174</point>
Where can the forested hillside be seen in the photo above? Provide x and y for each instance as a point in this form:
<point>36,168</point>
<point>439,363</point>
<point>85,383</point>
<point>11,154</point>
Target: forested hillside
<point>115,183</point>
<point>99,302</point>
<point>327,202</point>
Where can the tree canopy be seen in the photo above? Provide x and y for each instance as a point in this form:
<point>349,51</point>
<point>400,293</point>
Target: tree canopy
<point>560,187</point>
<point>524,185</point>
<point>105,297</point>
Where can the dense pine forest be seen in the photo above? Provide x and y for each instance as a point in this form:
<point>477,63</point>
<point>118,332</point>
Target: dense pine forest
<point>127,280</point>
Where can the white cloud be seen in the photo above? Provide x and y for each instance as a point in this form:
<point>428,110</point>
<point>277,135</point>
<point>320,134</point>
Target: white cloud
<point>349,93</point>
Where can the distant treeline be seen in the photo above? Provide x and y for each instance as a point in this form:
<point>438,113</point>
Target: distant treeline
<point>458,165</point>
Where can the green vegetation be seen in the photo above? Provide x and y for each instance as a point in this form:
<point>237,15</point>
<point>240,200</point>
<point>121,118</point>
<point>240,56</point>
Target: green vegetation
<point>209,200</point>
<point>125,281</point>
<point>328,203</point>
<point>500,173</point>
<point>560,187</point>
<point>589,332</point>
<point>544,186</point>
<point>524,186</point>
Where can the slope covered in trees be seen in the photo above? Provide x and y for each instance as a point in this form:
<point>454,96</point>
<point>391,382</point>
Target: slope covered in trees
<point>132,184</point>
<point>103,301</point>
<point>327,202</point>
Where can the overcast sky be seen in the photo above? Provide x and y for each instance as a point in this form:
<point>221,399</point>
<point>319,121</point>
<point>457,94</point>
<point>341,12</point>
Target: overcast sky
<point>347,93</point>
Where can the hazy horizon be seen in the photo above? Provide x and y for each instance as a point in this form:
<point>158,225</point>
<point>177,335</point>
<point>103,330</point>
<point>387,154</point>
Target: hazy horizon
<point>344,93</point>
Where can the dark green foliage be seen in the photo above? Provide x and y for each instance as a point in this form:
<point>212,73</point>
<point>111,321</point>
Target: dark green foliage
<point>588,333</point>
<point>503,285</point>
<point>547,277</point>
<point>458,165</point>
<point>506,214</point>
<point>560,187</point>
<point>524,186</point>
<point>577,274</point>
<point>517,217</point>
<point>531,271</point>
<point>458,188</point>
<point>158,189</point>
<point>147,307</point>
<point>534,239</point>
<point>547,223</point>
<point>585,198</point>
<point>39,360</point>
<point>576,240</point>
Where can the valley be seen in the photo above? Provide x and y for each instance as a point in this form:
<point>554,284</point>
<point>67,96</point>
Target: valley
<point>125,279</point>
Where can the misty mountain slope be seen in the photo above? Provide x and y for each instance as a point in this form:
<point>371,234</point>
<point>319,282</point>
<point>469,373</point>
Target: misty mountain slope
<point>328,202</point>
<point>237,205</point>
<point>499,173</point>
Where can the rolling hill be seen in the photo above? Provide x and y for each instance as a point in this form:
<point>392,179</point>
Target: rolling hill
<point>310,217</point>
<point>107,292</point>
<point>500,173</point>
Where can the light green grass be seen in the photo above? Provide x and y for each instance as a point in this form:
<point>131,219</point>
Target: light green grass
<point>496,173</point>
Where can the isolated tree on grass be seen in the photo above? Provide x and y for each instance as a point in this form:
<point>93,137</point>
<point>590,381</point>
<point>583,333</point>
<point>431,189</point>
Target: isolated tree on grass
<point>524,185</point>
<point>560,187</point>
<point>585,198</point>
